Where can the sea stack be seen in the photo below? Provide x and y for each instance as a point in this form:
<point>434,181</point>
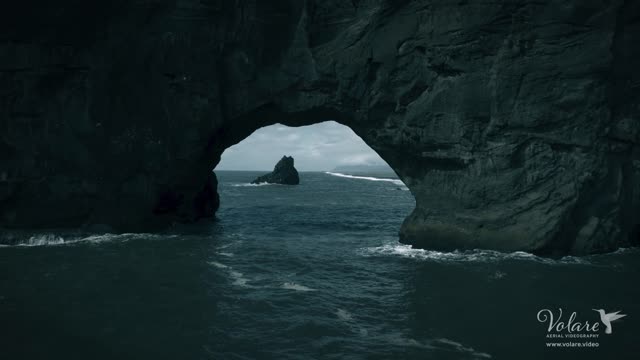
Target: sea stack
<point>283,173</point>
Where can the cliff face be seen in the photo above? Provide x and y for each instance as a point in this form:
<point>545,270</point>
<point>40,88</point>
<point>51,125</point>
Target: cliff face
<point>514,124</point>
<point>283,173</point>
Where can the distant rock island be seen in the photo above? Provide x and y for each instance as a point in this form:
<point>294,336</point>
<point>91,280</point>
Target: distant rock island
<point>283,173</point>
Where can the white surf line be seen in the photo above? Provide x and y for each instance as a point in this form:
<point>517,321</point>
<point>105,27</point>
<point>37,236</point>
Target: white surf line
<point>466,256</point>
<point>37,240</point>
<point>370,178</point>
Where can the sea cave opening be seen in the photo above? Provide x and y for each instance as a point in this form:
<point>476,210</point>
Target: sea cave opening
<point>345,188</point>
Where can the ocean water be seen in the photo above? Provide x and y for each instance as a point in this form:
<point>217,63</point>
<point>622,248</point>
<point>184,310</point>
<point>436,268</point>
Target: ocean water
<point>305,272</point>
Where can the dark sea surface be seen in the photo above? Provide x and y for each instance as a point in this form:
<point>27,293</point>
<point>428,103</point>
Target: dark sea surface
<point>313,271</point>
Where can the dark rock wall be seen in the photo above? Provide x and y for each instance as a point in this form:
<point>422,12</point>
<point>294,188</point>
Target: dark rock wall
<point>514,124</point>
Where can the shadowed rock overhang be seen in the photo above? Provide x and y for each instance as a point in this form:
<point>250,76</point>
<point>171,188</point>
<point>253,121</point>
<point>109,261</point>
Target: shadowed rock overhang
<point>514,124</point>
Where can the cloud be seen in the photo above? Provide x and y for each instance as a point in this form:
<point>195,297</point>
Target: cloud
<point>361,159</point>
<point>316,147</point>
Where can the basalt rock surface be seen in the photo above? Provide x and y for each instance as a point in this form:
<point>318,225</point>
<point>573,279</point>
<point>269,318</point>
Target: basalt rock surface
<point>515,124</point>
<point>283,173</point>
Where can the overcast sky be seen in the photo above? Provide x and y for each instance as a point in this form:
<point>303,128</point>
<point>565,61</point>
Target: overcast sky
<point>318,147</point>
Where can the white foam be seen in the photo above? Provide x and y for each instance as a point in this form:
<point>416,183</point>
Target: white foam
<point>436,344</point>
<point>50,239</point>
<point>227,254</point>
<point>252,185</point>
<point>623,250</point>
<point>296,287</point>
<point>235,243</point>
<point>370,178</point>
<point>400,340</point>
<point>45,239</point>
<point>497,275</point>
<point>239,279</point>
<point>344,315</point>
<point>218,265</point>
<point>461,348</point>
<point>407,251</point>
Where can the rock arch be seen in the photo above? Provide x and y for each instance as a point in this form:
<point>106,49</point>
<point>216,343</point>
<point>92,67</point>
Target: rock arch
<point>514,125</point>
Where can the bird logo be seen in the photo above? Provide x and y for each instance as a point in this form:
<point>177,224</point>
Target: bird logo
<point>608,318</point>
